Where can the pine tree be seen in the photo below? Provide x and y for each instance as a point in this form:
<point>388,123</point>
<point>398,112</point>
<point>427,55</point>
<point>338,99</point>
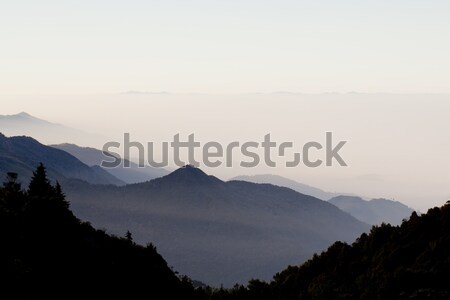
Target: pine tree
<point>40,185</point>
<point>129,236</point>
<point>60,197</point>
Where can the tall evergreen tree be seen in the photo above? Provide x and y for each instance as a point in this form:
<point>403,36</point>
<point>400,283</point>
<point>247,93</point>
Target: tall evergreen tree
<point>40,185</point>
<point>60,197</point>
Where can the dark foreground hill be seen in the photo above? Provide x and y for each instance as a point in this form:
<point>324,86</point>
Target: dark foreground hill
<point>21,154</point>
<point>47,253</point>
<point>214,231</point>
<point>410,261</point>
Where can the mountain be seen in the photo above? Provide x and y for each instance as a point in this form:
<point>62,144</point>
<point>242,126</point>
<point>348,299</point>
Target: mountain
<point>294,185</point>
<point>94,157</point>
<point>21,154</point>
<point>47,253</point>
<point>214,231</point>
<point>44,131</point>
<point>411,261</point>
<point>375,211</point>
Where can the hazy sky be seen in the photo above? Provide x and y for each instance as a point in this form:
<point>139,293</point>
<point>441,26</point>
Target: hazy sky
<point>224,46</point>
<point>221,61</point>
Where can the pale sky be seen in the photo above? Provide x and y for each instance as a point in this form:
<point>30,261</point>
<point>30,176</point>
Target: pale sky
<point>221,62</point>
<point>79,47</point>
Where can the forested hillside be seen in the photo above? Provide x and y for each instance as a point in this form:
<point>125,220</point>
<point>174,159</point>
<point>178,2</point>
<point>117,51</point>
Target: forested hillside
<point>47,253</point>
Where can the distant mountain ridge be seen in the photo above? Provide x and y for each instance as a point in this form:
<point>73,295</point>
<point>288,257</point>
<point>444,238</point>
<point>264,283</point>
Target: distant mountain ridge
<point>94,157</point>
<point>375,211</point>
<point>214,231</point>
<point>21,154</point>
<point>22,116</point>
<point>289,183</point>
<point>44,131</point>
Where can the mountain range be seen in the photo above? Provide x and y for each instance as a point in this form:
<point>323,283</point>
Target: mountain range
<point>21,154</point>
<point>48,253</point>
<point>44,131</point>
<point>24,124</point>
<point>372,212</point>
<point>214,231</point>
<point>289,183</point>
<point>375,211</point>
<point>94,157</point>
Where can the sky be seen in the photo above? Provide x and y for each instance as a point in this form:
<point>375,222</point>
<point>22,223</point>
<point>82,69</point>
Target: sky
<point>376,73</point>
<point>92,47</point>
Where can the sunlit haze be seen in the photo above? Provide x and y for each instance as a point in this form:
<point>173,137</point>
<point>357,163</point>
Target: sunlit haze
<point>375,73</point>
<point>397,144</point>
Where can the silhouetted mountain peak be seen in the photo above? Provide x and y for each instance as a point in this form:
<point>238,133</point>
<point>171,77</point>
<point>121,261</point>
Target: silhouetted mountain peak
<point>25,139</point>
<point>8,143</point>
<point>192,175</point>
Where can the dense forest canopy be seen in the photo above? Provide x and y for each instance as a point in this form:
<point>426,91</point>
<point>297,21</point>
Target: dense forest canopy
<point>47,253</point>
<point>410,261</point>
